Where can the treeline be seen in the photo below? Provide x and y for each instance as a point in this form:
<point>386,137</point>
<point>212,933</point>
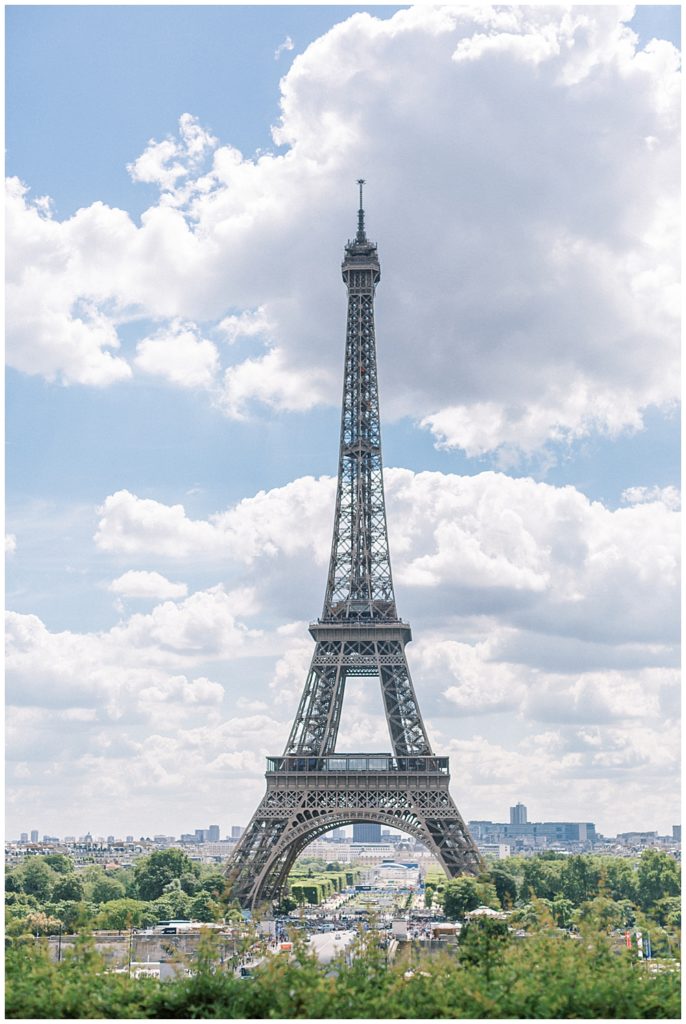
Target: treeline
<point>621,893</point>
<point>494,975</point>
<point>46,893</point>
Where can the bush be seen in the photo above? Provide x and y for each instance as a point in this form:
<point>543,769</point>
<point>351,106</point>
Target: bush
<point>548,975</point>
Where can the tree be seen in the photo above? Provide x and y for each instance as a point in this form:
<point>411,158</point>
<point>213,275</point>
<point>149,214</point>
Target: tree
<point>59,863</point>
<point>668,911</point>
<point>541,878</point>
<point>579,879</point>
<point>105,889</point>
<point>605,913</point>
<point>68,887</point>
<point>14,882</point>
<point>38,879</point>
<point>205,908</point>
<point>40,923</point>
<point>482,941</point>
<point>562,910</point>
<point>657,877</point>
<point>124,913</point>
<point>619,879</point>
<point>175,903</point>
<point>73,915</point>
<point>460,896</point>
<point>505,886</point>
<point>214,884</point>
<point>153,873</point>
<point>189,882</point>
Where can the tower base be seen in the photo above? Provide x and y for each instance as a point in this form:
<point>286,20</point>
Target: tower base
<point>308,796</point>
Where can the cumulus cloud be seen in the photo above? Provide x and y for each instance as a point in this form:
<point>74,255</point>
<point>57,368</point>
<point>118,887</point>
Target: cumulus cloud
<point>178,355</point>
<point>540,558</point>
<point>256,527</point>
<point>164,163</point>
<point>537,310</point>
<point>137,583</point>
<point>531,605</point>
<point>668,496</point>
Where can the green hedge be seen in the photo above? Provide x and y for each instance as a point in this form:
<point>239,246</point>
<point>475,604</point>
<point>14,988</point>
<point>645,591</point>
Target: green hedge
<point>546,976</point>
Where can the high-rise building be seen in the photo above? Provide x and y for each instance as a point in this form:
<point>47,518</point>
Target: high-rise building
<point>24,837</point>
<point>676,833</point>
<point>518,815</point>
<point>34,835</point>
<point>213,834</point>
<point>366,832</point>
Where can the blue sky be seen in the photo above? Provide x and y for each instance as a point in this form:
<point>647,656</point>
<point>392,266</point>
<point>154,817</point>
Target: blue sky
<point>173,384</point>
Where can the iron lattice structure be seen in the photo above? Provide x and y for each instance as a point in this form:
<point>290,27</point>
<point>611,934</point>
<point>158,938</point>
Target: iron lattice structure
<point>311,789</point>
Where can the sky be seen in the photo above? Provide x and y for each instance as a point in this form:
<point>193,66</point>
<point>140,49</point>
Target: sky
<point>181,185</point>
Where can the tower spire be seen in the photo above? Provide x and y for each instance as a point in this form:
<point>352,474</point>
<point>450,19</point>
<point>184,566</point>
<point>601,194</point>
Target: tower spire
<point>361,237</point>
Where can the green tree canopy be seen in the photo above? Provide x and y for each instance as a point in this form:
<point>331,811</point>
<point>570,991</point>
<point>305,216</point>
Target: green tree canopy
<point>657,877</point>
<point>106,888</point>
<point>460,896</point>
<point>68,887</point>
<point>214,883</point>
<point>505,885</point>
<point>59,862</point>
<point>155,872</point>
<point>124,913</point>
<point>38,878</point>
<point>579,879</point>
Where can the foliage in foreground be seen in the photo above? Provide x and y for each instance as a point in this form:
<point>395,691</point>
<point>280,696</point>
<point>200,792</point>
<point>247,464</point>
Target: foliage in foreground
<point>548,975</point>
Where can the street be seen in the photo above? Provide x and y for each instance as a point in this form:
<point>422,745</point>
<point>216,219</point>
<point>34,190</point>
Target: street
<point>327,946</point>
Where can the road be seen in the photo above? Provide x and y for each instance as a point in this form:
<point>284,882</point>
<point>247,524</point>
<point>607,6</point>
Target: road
<point>327,946</point>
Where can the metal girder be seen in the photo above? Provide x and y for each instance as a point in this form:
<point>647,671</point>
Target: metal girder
<point>300,806</point>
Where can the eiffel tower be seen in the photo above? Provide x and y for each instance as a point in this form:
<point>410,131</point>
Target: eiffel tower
<point>311,789</point>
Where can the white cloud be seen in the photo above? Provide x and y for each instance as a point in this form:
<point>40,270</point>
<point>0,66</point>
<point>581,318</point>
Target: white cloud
<point>256,527</point>
<point>270,380</point>
<point>10,543</point>
<point>180,356</point>
<point>521,307</point>
<point>287,44</point>
<point>547,616</point>
<point>163,163</point>
<point>137,583</point>
<point>670,497</point>
<point>543,560</point>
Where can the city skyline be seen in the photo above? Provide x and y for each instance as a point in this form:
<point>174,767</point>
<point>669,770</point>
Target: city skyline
<point>172,408</point>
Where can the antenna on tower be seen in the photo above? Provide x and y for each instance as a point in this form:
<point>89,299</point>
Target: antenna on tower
<point>361,237</point>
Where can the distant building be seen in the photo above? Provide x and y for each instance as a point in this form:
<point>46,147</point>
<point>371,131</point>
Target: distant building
<point>237,831</point>
<point>518,814</point>
<point>24,837</point>
<point>213,834</point>
<point>34,835</point>
<point>366,832</point>
<point>637,838</point>
<point>676,833</point>
<point>533,834</point>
